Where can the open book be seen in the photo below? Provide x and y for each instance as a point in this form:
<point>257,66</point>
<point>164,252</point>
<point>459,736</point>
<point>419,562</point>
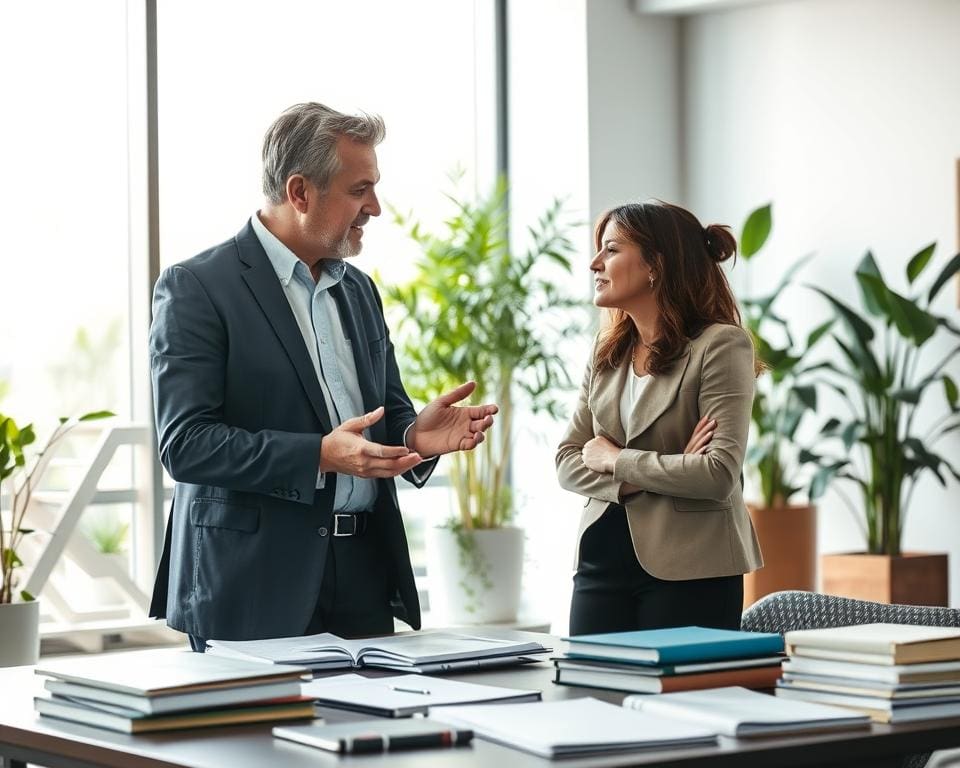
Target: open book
<point>740,712</point>
<point>420,652</point>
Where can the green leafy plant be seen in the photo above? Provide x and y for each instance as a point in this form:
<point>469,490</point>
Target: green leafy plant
<point>107,533</point>
<point>881,381</point>
<point>783,396</point>
<point>19,475</point>
<point>476,310</point>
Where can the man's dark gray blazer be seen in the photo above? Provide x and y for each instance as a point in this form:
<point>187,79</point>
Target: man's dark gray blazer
<point>240,422</point>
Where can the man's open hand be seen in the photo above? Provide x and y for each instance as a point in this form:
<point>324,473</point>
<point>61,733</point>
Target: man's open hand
<point>346,451</point>
<point>443,427</point>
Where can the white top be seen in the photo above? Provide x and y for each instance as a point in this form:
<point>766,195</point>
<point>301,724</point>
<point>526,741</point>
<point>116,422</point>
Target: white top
<point>632,391</point>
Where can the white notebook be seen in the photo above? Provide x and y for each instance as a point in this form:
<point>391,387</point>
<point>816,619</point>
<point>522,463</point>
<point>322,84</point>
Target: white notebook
<point>573,727</point>
<point>405,695</point>
<point>738,712</point>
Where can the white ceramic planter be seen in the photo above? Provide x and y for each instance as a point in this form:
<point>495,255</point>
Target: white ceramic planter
<point>478,583</point>
<point>19,633</point>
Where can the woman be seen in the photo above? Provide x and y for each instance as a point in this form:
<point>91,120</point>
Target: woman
<point>657,441</point>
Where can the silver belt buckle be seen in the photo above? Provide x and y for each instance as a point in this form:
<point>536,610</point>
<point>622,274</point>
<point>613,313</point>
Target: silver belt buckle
<point>337,517</point>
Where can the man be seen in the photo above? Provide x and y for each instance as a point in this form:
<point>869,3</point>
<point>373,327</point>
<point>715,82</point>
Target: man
<point>280,411</point>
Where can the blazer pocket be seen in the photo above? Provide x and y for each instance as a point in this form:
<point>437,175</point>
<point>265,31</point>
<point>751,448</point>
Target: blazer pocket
<point>216,513</point>
<point>701,505</point>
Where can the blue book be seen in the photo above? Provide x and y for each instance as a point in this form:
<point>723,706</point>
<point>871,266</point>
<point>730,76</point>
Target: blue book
<point>674,646</point>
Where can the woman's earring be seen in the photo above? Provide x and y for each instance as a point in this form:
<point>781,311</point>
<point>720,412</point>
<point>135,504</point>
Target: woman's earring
<point>651,279</point>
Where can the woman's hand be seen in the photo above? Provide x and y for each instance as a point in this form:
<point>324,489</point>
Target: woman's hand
<point>702,435</point>
<point>599,454</point>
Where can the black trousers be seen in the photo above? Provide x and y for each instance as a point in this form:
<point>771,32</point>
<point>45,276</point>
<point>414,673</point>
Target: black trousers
<point>355,591</point>
<point>613,593</point>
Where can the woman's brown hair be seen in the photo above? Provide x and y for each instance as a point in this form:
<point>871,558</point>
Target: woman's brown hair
<point>691,289</point>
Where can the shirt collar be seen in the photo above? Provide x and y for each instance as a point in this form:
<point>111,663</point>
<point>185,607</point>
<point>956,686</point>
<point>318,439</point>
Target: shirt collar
<point>285,262</point>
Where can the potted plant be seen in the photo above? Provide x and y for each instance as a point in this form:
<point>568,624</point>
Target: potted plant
<point>882,379</point>
<point>477,310</point>
<point>19,476</point>
<point>787,531</point>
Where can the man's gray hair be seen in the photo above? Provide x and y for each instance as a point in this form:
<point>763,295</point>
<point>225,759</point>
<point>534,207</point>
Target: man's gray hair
<point>304,140</point>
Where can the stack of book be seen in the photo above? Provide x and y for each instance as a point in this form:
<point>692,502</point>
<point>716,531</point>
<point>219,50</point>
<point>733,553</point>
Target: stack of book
<point>678,659</point>
<point>894,673</point>
<point>162,690</point>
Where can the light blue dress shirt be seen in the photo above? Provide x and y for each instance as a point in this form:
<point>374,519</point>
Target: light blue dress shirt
<point>330,351</point>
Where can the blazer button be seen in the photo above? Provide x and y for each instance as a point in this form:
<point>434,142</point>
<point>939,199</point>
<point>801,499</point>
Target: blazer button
<point>322,530</point>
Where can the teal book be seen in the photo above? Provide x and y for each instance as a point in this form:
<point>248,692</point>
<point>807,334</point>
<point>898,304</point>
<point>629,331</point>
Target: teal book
<point>677,645</point>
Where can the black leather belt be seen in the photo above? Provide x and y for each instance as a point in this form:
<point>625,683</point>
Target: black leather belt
<point>349,523</point>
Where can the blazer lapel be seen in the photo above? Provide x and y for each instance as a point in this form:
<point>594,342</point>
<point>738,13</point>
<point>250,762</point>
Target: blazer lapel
<point>345,295</point>
<point>657,397</point>
<point>604,401</point>
<point>262,280</point>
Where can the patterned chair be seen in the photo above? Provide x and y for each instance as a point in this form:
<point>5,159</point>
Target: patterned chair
<point>785,611</point>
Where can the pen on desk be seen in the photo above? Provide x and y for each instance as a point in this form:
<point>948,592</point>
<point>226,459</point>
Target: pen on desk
<point>410,690</point>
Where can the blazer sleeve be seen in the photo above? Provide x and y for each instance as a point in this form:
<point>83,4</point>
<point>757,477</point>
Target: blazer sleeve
<point>188,348</point>
<point>572,473</point>
<point>726,394</point>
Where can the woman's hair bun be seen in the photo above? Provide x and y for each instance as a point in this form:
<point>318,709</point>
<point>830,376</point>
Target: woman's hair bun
<point>720,242</point>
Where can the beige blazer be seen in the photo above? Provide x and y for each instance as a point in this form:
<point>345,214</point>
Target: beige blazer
<point>689,522</point>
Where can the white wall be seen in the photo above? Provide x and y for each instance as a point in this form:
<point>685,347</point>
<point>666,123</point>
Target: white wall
<point>846,114</point>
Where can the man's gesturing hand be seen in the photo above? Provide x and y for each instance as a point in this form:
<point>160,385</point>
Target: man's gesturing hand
<point>346,451</point>
<point>443,427</point>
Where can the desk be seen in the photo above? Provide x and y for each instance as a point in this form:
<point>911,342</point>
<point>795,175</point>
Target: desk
<point>26,737</point>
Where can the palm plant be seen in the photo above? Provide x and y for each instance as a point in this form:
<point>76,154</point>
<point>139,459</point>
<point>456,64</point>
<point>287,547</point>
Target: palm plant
<point>476,310</point>
<point>881,382</point>
<point>783,395</point>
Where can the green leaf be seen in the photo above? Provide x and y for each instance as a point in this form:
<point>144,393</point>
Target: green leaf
<point>26,596</point>
<point>830,426</point>
<point>873,288</point>
<point>817,333</point>
<point>860,327</point>
<point>851,434</point>
<point>756,230</point>
<point>10,559</point>
<point>823,477</point>
<point>807,395</point>
<point>919,262</point>
<point>945,274</point>
<point>94,415</point>
<point>925,458</point>
<point>950,391</point>
<point>921,323</point>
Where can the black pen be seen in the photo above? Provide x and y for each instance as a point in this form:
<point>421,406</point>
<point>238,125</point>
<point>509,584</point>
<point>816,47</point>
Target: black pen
<point>410,690</point>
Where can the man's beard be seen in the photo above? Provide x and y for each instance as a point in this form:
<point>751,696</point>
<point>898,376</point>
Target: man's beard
<point>344,249</point>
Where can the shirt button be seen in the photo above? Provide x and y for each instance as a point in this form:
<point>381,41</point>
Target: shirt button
<point>322,530</point>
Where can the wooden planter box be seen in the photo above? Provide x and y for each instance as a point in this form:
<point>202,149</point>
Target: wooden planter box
<point>788,541</point>
<point>912,578</point>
